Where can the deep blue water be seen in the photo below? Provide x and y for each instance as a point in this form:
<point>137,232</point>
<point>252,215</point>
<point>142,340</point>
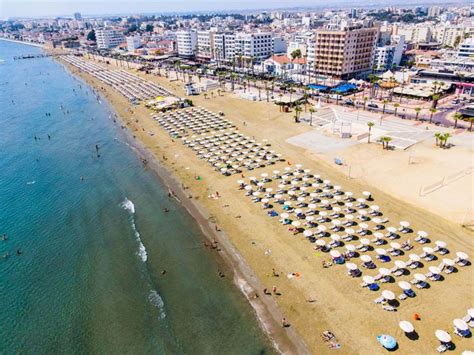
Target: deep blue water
<point>88,279</point>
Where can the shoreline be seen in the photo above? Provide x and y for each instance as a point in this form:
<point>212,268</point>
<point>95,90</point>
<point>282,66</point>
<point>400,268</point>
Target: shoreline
<point>267,312</point>
<point>22,42</point>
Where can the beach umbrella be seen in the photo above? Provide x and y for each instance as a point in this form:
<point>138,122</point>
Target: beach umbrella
<point>248,187</point>
<point>256,193</point>
<point>434,270</point>
<point>349,193</point>
<point>366,258</point>
<point>366,193</point>
<point>335,254</point>
<point>364,226</point>
<point>312,206</point>
<point>298,211</point>
<point>335,237</point>
<point>470,312</point>
<point>269,189</point>
<point>419,277</point>
<point>414,257</point>
<point>441,244</point>
<point>406,326</point>
<point>284,215</point>
<point>392,229</point>
<point>349,217</point>
<point>365,241</point>
<point>321,228</point>
<point>277,196</point>
<point>460,324</point>
<point>400,264</point>
<point>264,175</point>
<point>461,255</point>
<point>388,295</point>
<point>276,172</point>
<point>368,279</point>
<point>288,203</point>
<point>336,222</point>
<point>374,208</point>
<point>240,182</point>
<point>422,234</point>
<point>350,231</point>
<point>309,218</point>
<point>363,212</point>
<point>381,251</point>
<point>395,245</point>
<point>376,220</point>
<point>384,272</point>
<point>296,223</point>
<point>428,250</point>
<point>448,262</point>
<point>378,235</point>
<point>253,178</point>
<point>350,247</point>
<point>320,242</point>
<point>405,224</point>
<point>351,266</point>
<point>307,233</point>
<point>404,285</point>
<point>265,200</point>
<point>443,336</point>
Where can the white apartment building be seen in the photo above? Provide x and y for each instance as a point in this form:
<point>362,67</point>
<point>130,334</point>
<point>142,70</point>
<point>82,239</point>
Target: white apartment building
<point>466,48</point>
<point>434,11</point>
<point>187,43</point>
<point>387,56</point>
<point>416,34</point>
<point>258,46</point>
<point>205,41</point>
<point>133,42</point>
<point>279,45</point>
<point>447,35</point>
<point>107,38</point>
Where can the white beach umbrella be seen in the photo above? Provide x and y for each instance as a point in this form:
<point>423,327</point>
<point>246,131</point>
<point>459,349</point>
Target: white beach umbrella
<point>388,295</point>
<point>368,279</point>
<point>276,172</point>
<point>256,193</point>
<point>392,229</point>
<point>395,245</point>
<point>323,213</point>
<point>448,262</point>
<point>349,217</point>
<point>434,270</point>
<point>350,231</point>
<point>269,189</point>
<point>384,272</point>
<point>419,277</point>
<point>320,242</point>
<point>405,224</point>
<point>414,257</point>
<point>312,206</point>
<point>376,220</point>
<point>336,222</point>
<point>284,215</point>
<point>381,251</point>
<point>364,241</point>
<point>307,233</point>
<point>248,187</point>
<point>277,196</point>
<point>404,285</point>
<point>422,234</point>
<point>400,264</point>
<point>335,237</point>
<point>461,255</point>
<point>288,203</point>
<point>351,266</point>
<point>428,250</point>
<point>366,193</point>
<point>265,200</point>
<point>309,218</point>
<point>240,182</point>
<point>296,223</point>
<point>298,211</point>
<point>470,312</point>
<point>441,244</point>
<point>321,228</point>
<point>366,258</point>
<point>406,326</point>
<point>374,208</point>
<point>335,254</point>
<point>443,336</point>
<point>460,324</point>
<point>378,235</point>
<point>350,247</point>
<point>364,226</point>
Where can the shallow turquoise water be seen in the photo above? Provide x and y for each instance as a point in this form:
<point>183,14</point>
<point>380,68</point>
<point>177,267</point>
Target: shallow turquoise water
<point>89,279</point>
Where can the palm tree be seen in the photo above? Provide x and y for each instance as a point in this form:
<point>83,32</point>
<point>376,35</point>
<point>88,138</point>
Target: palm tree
<point>298,110</point>
<point>387,142</point>
<point>396,105</point>
<point>471,121</point>
<point>457,116</point>
<point>205,96</point>
<point>435,99</point>
<point>311,111</point>
<point>365,101</point>
<point>445,138</point>
<point>294,55</point>
<point>218,92</point>
<point>245,86</point>
<point>370,125</point>
<point>232,81</point>
<point>432,112</point>
<point>384,104</point>
<point>417,110</point>
<point>438,138</point>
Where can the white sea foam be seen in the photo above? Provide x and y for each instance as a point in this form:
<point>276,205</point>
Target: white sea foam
<point>130,207</point>
<point>155,299</point>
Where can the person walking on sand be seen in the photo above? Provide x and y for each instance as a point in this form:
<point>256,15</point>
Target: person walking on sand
<point>274,289</point>
<point>265,291</point>
<point>274,273</point>
<point>284,323</point>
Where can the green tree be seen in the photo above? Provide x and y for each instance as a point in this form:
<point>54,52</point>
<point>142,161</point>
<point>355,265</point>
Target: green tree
<point>396,105</point>
<point>437,136</point>
<point>432,112</point>
<point>384,104</point>
<point>417,110</point>
<point>370,125</point>
<point>444,139</point>
<point>471,121</point>
<point>298,110</point>
<point>149,28</point>
<point>91,36</point>
<point>311,111</point>
<point>365,101</point>
<point>457,116</point>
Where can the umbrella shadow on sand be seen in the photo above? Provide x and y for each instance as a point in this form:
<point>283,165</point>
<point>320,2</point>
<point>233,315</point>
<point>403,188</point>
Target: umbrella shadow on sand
<point>412,336</point>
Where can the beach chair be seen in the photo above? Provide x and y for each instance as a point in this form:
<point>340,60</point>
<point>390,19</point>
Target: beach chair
<point>466,318</point>
<point>389,308</point>
<point>442,348</point>
<point>379,300</point>
<point>471,324</point>
<point>402,297</point>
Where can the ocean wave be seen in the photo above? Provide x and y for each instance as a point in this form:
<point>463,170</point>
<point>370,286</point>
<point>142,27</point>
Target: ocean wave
<point>155,299</point>
<point>130,207</point>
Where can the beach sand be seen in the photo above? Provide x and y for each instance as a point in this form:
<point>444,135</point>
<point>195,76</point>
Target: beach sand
<point>340,304</point>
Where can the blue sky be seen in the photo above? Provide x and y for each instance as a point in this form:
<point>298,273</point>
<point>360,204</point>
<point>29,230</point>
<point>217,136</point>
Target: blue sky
<point>36,8</point>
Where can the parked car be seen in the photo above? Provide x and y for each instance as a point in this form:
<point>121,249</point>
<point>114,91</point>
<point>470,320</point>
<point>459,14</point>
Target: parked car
<point>372,105</point>
<point>348,102</point>
<point>335,97</point>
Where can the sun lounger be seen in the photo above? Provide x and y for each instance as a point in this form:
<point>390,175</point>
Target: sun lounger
<point>402,297</point>
<point>389,308</point>
<point>441,349</point>
<point>379,300</point>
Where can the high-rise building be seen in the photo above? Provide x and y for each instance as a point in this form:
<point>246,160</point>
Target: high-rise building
<point>205,41</point>
<point>187,43</point>
<point>466,48</point>
<point>344,53</point>
<point>77,16</point>
<point>108,38</point>
<point>258,45</point>
<point>354,13</point>
<point>434,11</point>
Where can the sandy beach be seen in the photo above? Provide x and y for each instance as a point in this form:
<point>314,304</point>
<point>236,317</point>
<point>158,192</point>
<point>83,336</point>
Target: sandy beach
<point>338,303</point>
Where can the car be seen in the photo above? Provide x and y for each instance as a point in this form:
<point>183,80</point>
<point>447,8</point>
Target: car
<point>348,102</point>
<point>359,103</point>
<point>372,105</point>
<point>455,101</point>
<point>335,97</point>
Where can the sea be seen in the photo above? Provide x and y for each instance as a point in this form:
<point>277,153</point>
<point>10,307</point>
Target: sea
<point>88,238</point>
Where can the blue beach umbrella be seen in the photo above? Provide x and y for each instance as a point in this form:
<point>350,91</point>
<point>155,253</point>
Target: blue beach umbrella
<point>387,341</point>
